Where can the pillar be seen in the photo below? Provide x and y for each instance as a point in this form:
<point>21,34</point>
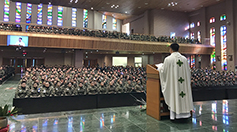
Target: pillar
<point>78,59</point>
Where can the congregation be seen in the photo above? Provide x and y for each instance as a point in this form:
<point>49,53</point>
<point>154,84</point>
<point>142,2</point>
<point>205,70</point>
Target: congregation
<point>71,81</point>
<point>211,78</point>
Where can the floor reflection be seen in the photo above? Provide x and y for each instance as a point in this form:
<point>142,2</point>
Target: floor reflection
<point>207,116</point>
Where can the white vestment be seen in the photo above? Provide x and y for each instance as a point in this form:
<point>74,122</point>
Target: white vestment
<point>20,43</point>
<point>175,78</point>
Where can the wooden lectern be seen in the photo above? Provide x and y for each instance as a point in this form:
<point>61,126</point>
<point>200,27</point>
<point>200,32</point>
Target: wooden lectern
<point>153,98</point>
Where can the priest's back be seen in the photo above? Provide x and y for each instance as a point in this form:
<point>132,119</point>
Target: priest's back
<point>175,77</point>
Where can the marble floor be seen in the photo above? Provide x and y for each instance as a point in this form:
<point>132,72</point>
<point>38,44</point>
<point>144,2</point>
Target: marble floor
<point>216,116</point>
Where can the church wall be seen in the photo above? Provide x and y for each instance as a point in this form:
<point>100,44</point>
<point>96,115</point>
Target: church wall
<point>170,21</point>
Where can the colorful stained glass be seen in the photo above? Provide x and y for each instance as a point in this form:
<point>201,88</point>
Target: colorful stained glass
<point>213,43</point>
<point>192,61</point>
<point>50,15</point>
<point>192,35</point>
<point>114,24</point>
<point>74,17</point>
<point>104,21</point>
<point>60,16</point>
<point>198,23</point>
<point>212,36</point>
<point>40,14</point>
<point>223,48</point>
<point>189,62</point>
<point>212,20</point>
<point>192,25</point>
<point>213,60</point>
<point>6,10</point>
<point>28,12</point>
<point>223,17</point>
<point>199,36</point>
<point>85,18</point>
<point>18,12</point>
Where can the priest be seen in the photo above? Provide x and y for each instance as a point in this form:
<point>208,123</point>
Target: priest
<point>175,78</point>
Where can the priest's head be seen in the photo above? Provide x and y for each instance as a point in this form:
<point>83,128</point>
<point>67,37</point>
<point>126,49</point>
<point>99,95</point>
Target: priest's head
<point>174,47</point>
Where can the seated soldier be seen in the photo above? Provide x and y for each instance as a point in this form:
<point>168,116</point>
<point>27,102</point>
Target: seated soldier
<point>69,90</point>
<point>129,87</point>
<point>92,89</point>
<point>46,90</point>
<point>22,91</point>
<point>81,90</point>
<point>103,89</point>
<point>138,87</point>
<point>34,90</point>
<point>111,88</point>
<point>58,89</point>
<point>120,87</point>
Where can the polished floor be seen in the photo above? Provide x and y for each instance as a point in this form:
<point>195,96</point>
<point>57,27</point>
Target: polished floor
<point>217,116</point>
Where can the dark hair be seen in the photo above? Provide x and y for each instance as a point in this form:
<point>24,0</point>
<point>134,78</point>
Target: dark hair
<point>174,47</point>
<point>20,38</point>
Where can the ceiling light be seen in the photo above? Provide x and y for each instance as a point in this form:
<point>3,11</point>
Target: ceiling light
<point>172,4</point>
<point>92,8</point>
<point>126,12</point>
<point>49,3</point>
<point>76,1</point>
<point>139,7</point>
<point>107,3</point>
<point>71,1</point>
<point>146,3</point>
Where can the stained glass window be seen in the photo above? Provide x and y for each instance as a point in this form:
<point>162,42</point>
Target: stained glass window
<point>189,62</point>
<point>60,16</point>
<point>186,28</point>
<point>104,21</point>
<point>50,15</point>
<point>85,18</point>
<point>212,36</point>
<point>223,17</point>
<point>198,23</point>
<point>199,36</point>
<point>6,10</point>
<point>18,12</point>
<point>74,17</point>
<point>192,61</point>
<point>192,25</point>
<point>114,24</point>
<point>40,14</point>
<point>213,43</point>
<point>223,48</point>
<point>192,35</point>
<point>212,20</point>
<point>28,12</point>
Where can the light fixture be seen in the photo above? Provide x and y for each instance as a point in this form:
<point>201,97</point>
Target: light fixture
<point>115,6</point>
<point>126,12</point>
<point>71,1</point>
<point>172,4</point>
<point>146,3</point>
<point>92,8</point>
<point>49,3</point>
<point>76,1</point>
